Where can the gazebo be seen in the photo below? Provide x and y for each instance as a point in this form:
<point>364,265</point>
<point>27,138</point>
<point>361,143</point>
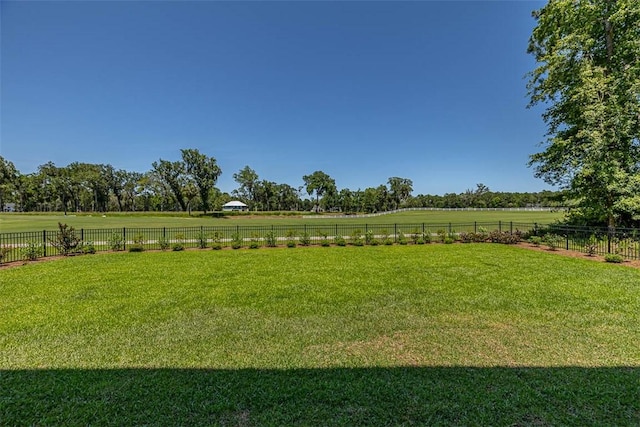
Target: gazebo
<point>235,205</point>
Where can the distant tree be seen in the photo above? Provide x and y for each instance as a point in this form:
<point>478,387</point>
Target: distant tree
<point>247,178</point>
<point>204,172</point>
<point>401,189</point>
<point>172,174</point>
<point>319,183</point>
<point>8,179</point>
<point>588,79</point>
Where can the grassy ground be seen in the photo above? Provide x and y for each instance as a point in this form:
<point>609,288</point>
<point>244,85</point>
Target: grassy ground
<point>13,222</point>
<point>435,334</point>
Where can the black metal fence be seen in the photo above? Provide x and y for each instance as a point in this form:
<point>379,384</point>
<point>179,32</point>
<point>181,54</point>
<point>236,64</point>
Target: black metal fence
<point>16,246</point>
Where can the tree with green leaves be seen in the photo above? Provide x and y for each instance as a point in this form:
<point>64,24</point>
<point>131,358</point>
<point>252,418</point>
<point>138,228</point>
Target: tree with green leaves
<point>588,79</point>
<point>172,174</point>
<point>319,183</point>
<point>401,189</point>
<point>247,178</point>
<point>204,171</point>
<point>8,179</point>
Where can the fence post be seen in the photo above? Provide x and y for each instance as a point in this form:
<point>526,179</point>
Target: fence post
<point>609,235</point>
<point>567,234</point>
<point>124,238</point>
<point>500,226</point>
<point>44,243</point>
<point>395,233</point>
<point>449,228</point>
<point>82,234</point>
<point>475,226</point>
<point>510,227</point>
<point>535,228</point>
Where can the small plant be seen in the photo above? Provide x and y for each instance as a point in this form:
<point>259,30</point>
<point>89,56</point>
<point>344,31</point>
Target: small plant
<point>448,240</point>
<point>591,246</point>
<point>87,248</point>
<point>305,239</point>
<point>216,239</point>
<point>356,238</point>
<point>178,245</point>
<point>270,239</point>
<point>386,239</point>
<point>163,242</point>
<point>504,237</point>
<point>254,242</point>
<point>402,239</point>
<point>4,251</point>
<point>553,241</point>
<point>138,243</point>
<point>32,251</point>
<point>442,234</point>
<point>324,238</point>
<point>426,238</point>
<point>236,241</point>
<point>66,241</point>
<point>339,240</point>
<point>291,238</point>
<point>465,237</point>
<point>370,238</point>
<point>203,240</point>
<point>614,258</point>
<point>535,240</point>
<point>116,242</point>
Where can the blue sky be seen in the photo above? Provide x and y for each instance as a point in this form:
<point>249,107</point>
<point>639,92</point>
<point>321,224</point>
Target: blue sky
<point>430,91</point>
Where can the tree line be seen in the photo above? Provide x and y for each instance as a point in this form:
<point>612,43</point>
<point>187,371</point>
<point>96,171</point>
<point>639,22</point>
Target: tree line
<point>189,184</point>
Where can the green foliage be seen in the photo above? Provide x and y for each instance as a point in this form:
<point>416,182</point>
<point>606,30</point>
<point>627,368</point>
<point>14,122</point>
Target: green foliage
<point>553,241</point>
<point>356,238</point>
<point>32,251</point>
<point>178,245</point>
<point>116,242</point>
<point>613,258</point>
<point>87,248</point>
<point>449,240</point>
<point>591,246</point>
<point>164,244</point>
<point>236,241</point>
<point>535,240</point>
<point>442,234</point>
<point>339,240</point>
<point>216,239</point>
<point>203,240</point>
<point>136,247</point>
<point>305,239</point>
<point>4,251</point>
<point>254,241</point>
<point>291,238</point>
<point>65,241</point>
<point>504,237</point>
<point>588,80</point>
<point>402,239</point>
<point>270,239</point>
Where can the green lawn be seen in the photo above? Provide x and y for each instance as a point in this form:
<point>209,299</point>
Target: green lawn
<point>436,334</point>
<point>14,222</point>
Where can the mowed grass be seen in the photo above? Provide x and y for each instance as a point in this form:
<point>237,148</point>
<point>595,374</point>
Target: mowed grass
<point>435,334</point>
<point>15,222</point>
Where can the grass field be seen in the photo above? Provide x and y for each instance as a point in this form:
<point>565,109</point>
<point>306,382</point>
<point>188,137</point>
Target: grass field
<point>13,222</point>
<point>429,335</point>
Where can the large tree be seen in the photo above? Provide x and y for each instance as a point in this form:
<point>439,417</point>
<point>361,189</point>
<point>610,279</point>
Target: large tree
<point>172,175</point>
<point>8,178</point>
<point>248,180</point>
<point>204,171</point>
<point>319,183</point>
<point>401,189</point>
<point>588,79</point>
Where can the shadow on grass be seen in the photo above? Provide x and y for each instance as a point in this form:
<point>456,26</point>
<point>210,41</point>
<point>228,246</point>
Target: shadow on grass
<point>371,396</point>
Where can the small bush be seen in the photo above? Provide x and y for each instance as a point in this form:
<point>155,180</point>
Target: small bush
<point>356,238</point>
<point>339,241</point>
<point>291,243</point>
<point>442,234</point>
<point>4,251</point>
<point>136,247</point>
<point>163,243</point>
<point>614,258</point>
<point>254,241</point>
<point>553,241</point>
<point>591,246</point>
<point>426,237</point>
<point>87,248</point>
<point>178,245</point>
<point>324,240</point>
<point>448,240</point>
<point>291,239</point>
<point>402,239</point>
<point>236,241</point>
<point>270,239</point>
<point>116,242</point>
<point>66,241</point>
<point>216,238</point>
<point>535,240</point>
<point>305,239</point>
<point>504,237</point>
<point>32,251</point>
<point>139,239</point>
<point>203,240</point>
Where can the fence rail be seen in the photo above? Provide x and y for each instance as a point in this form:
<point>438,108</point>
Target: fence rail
<point>625,242</point>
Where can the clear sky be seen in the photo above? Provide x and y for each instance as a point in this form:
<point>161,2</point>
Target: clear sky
<point>430,91</point>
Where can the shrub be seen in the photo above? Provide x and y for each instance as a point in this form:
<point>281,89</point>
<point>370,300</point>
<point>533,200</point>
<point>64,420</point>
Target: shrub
<point>448,240</point>
<point>535,240</point>
<point>426,237</point>
<point>203,240</point>
<point>87,248</point>
<point>66,241</point>
<point>163,243</point>
<point>136,247</point>
<point>254,242</point>
<point>4,251</point>
<point>614,258</point>
<point>138,243</point>
<point>553,241</point>
<point>270,239</point>
<point>591,246</point>
<point>291,238</point>
<point>116,242</point>
<point>32,251</point>
<point>402,239</point>
<point>216,238</point>
<point>465,237</point>
<point>236,241</point>
<point>339,240</point>
<point>324,241</point>
<point>442,234</point>
<point>305,239</point>
<point>504,237</point>
<point>356,238</point>
<point>415,236</point>
<point>178,245</point>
